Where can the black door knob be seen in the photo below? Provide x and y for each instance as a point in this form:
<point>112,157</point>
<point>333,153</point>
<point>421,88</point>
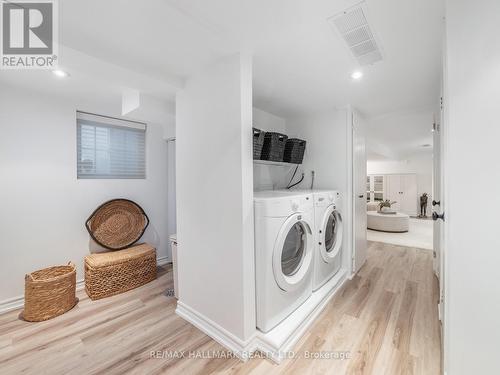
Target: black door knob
<point>436,203</point>
<point>436,216</point>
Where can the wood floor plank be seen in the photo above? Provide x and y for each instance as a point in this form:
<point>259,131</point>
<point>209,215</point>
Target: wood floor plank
<point>404,326</point>
<point>371,342</point>
<point>384,320</point>
<point>361,297</point>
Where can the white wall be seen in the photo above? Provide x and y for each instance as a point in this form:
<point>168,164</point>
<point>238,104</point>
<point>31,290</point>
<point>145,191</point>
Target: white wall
<point>43,205</point>
<point>472,177</point>
<point>267,121</point>
<point>215,196</point>
<point>326,148</point>
<point>269,177</point>
<point>420,164</point>
<point>328,154</point>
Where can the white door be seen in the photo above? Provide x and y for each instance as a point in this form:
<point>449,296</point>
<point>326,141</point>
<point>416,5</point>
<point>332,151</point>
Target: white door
<point>394,190</point>
<point>439,207</point>
<point>409,194</point>
<point>359,204</point>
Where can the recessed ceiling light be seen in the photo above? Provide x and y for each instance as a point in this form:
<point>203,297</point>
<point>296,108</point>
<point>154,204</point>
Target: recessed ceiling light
<point>60,73</point>
<point>357,75</point>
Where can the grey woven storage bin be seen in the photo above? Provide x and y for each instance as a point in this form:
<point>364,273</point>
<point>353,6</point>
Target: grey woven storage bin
<point>258,142</point>
<point>274,146</point>
<point>294,151</point>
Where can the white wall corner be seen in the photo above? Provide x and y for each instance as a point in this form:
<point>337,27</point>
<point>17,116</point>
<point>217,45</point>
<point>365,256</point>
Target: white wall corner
<point>214,187</point>
<point>241,348</point>
<point>131,100</point>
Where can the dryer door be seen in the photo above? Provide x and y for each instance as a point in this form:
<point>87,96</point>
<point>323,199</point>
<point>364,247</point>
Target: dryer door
<point>330,234</point>
<point>293,252</point>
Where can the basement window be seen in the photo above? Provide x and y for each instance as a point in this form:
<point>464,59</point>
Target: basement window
<point>110,148</point>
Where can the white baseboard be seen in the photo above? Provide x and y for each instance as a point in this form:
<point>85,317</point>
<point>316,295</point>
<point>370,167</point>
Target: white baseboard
<point>239,347</point>
<point>162,261</point>
<point>18,302</point>
<point>277,343</point>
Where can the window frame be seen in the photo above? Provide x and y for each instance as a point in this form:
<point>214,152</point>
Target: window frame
<point>108,122</point>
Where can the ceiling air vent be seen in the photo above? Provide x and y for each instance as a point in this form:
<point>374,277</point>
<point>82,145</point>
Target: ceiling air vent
<point>352,25</point>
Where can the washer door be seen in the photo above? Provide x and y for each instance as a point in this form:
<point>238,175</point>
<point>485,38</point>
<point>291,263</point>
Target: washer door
<point>292,253</point>
<point>331,234</point>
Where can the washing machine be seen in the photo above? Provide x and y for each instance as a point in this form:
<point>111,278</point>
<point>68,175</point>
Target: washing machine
<point>328,236</point>
<point>284,246</point>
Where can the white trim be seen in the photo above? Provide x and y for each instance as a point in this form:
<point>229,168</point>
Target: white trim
<point>18,302</point>
<point>278,342</point>
<point>350,194</point>
<point>162,261</point>
<point>239,347</point>
<point>107,120</point>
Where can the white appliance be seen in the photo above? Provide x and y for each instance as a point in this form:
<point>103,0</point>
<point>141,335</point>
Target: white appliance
<point>328,236</point>
<point>284,245</point>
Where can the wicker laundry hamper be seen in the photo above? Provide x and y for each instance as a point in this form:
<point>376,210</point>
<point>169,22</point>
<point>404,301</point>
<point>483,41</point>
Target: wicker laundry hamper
<point>108,274</point>
<point>49,292</point>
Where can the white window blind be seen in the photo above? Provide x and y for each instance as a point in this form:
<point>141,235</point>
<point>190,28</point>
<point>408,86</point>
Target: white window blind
<point>109,147</point>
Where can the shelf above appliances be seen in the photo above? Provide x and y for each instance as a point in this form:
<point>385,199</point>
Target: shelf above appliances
<point>275,163</point>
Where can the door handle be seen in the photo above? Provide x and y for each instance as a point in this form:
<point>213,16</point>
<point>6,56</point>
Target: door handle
<point>361,196</point>
<point>436,203</point>
<point>436,216</point>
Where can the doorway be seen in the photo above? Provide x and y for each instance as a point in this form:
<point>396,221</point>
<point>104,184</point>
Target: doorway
<point>399,200</point>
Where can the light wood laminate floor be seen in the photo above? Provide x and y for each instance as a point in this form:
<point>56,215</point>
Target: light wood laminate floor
<point>385,318</point>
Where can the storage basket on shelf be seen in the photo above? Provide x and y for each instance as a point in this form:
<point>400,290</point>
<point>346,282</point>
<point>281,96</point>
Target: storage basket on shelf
<point>107,274</point>
<point>274,146</point>
<point>49,292</point>
<point>258,142</point>
<point>294,150</point>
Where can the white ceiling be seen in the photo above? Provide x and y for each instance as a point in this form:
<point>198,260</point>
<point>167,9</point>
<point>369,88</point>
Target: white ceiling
<point>400,135</point>
<point>300,64</point>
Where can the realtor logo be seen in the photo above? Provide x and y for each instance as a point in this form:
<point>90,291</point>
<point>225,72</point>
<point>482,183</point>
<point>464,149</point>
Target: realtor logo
<point>29,34</point>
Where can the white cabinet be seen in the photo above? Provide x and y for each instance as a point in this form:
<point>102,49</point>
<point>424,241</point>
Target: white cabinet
<point>402,188</point>
<point>375,187</point>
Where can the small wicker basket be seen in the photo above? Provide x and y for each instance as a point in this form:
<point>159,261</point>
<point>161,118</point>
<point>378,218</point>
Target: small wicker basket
<point>49,292</point>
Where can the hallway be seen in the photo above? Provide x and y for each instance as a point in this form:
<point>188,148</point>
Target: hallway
<point>384,320</point>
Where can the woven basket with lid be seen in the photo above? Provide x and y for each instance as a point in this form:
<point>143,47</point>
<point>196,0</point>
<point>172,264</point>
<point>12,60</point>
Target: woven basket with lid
<point>49,292</point>
<point>117,224</point>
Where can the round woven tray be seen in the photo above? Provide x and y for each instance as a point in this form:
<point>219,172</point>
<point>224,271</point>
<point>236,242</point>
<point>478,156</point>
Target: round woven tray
<point>117,224</point>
